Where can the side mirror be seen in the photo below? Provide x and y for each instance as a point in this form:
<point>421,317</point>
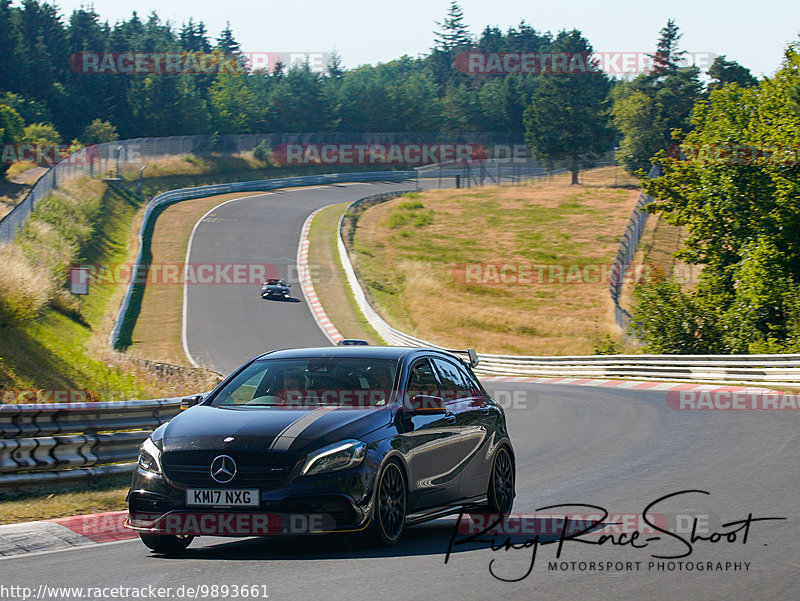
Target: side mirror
<point>427,404</point>
<point>191,401</point>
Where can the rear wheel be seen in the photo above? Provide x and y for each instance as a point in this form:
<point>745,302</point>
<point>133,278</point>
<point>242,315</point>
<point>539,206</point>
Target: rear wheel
<point>389,513</point>
<point>501,484</point>
<point>168,544</point>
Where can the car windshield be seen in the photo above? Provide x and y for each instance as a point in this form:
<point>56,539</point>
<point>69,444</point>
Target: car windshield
<point>311,382</point>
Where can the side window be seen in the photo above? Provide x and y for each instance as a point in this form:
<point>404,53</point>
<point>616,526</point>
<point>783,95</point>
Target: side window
<point>421,380</point>
<point>453,381</point>
<point>469,380</point>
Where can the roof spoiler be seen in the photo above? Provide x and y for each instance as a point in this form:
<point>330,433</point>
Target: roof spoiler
<point>471,355</point>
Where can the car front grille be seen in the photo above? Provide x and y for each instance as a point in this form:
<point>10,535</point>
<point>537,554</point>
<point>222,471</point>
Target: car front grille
<point>266,470</point>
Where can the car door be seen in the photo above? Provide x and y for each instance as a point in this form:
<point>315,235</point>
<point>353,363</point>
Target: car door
<point>477,416</point>
<point>431,441</point>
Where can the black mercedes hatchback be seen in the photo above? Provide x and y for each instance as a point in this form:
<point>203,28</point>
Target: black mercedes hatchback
<point>340,439</point>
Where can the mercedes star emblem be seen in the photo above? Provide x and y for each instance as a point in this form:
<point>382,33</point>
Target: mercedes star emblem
<point>223,469</point>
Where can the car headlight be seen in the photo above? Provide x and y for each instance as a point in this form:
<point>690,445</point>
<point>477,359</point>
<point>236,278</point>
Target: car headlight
<point>150,457</point>
<point>339,456</point>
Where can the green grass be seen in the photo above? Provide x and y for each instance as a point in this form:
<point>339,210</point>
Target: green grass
<point>47,339</point>
<point>105,493</point>
<point>52,350</point>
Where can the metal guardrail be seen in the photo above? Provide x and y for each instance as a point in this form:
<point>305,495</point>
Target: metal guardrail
<point>776,370</point>
<point>45,443</point>
<point>173,196</point>
<point>627,250</point>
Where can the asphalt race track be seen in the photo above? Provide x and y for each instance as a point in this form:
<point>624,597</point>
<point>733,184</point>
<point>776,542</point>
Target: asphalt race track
<point>228,324</point>
<point>611,448</point>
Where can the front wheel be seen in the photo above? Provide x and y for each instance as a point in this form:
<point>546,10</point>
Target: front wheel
<point>168,544</point>
<point>389,513</point>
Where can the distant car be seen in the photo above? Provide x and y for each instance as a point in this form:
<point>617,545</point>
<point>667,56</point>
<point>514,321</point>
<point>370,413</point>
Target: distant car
<point>275,288</point>
<point>352,342</point>
<point>337,439</point>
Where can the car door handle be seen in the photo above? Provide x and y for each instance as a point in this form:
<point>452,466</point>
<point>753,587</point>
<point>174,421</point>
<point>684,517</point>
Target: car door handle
<point>450,418</point>
<point>485,409</point>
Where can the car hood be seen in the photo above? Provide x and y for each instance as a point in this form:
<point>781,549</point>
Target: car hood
<point>259,428</point>
<point>273,288</point>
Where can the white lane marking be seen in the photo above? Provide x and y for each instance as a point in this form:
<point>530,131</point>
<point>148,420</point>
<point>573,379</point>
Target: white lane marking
<point>185,308</point>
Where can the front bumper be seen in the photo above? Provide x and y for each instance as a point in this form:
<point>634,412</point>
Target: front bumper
<point>335,502</point>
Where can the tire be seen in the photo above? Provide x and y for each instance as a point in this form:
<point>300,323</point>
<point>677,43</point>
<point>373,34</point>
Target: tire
<point>167,544</point>
<point>501,483</point>
<point>389,512</point>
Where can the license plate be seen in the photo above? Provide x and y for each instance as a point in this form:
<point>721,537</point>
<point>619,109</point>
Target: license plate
<point>234,497</point>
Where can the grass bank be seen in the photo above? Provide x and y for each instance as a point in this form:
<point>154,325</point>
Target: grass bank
<point>511,269</point>
<point>50,340</point>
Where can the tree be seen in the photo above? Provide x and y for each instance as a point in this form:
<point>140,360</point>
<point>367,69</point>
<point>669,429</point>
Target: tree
<point>226,42</point>
<point>11,130</point>
<point>667,58</point>
<point>235,108</point>
<point>11,46</point>
<point>567,118</point>
<point>194,37</point>
<point>736,195</point>
<point>665,97</point>
<point>97,132</point>
<point>414,105</point>
<point>41,133</point>
<point>454,33</point>
<point>298,101</point>
<point>167,105</point>
<point>637,116</point>
<point>334,65</point>
<point>723,72</point>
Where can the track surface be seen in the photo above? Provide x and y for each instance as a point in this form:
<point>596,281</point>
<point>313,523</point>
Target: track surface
<point>230,323</point>
<point>618,449</point>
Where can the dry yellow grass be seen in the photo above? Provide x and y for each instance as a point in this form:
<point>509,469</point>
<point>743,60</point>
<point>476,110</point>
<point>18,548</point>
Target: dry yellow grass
<point>330,282</point>
<point>412,252</point>
<point>191,165</point>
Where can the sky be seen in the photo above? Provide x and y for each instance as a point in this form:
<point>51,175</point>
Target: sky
<point>754,34</point>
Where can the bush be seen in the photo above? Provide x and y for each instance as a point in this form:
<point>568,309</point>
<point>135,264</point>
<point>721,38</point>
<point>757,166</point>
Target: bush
<point>42,133</point>
<point>99,131</point>
<point>263,153</point>
<point>670,321</point>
